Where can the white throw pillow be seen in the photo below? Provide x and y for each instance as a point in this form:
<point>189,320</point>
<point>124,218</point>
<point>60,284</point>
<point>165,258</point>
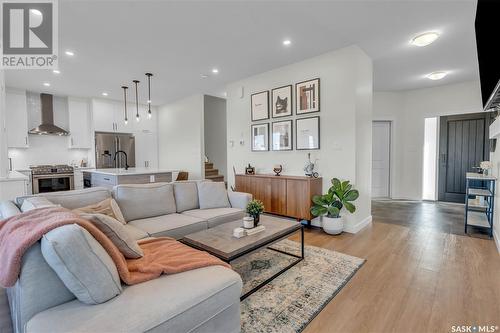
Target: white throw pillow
<point>36,202</point>
<point>213,195</point>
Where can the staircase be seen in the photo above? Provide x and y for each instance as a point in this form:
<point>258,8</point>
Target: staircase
<point>212,174</point>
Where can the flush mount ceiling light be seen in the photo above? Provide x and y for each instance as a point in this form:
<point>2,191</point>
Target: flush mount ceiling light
<point>104,94</point>
<point>425,39</point>
<point>56,71</point>
<point>287,42</point>
<point>36,12</point>
<point>69,53</point>
<point>437,75</point>
<point>46,84</point>
<point>215,70</point>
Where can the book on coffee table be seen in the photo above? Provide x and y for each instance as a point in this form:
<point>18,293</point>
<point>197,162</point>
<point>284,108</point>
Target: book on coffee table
<point>255,230</point>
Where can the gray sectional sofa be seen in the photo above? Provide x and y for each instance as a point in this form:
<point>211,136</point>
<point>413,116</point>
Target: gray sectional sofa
<point>201,300</point>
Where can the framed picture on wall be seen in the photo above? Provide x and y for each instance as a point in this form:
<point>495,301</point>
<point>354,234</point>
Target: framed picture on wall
<point>307,96</point>
<point>282,135</point>
<point>260,137</point>
<point>307,133</point>
<point>260,105</point>
<point>281,99</point>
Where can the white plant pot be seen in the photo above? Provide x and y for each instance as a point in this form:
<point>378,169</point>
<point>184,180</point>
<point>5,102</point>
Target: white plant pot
<point>332,225</point>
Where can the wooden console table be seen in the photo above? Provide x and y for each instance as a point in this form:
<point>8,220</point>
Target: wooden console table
<point>282,195</point>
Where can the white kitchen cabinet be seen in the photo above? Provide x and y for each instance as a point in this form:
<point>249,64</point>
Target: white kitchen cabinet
<point>103,114</point>
<point>146,149</point>
<point>16,119</point>
<point>109,116</point>
<point>79,123</point>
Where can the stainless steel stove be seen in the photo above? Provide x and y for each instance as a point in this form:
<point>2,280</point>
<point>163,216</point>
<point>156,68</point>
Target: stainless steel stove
<point>52,178</point>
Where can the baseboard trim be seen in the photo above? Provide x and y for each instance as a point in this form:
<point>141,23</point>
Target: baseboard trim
<point>358,226</point>
<point>496,237</point>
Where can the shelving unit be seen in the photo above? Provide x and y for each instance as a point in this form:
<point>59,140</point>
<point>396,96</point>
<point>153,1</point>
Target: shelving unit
<point>480,214</point>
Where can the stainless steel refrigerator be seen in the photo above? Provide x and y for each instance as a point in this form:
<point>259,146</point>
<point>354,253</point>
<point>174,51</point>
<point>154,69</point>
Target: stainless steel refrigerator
<point>106,146</point>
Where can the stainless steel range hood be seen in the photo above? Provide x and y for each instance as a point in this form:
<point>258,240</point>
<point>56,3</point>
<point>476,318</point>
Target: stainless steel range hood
<point>47,126</point>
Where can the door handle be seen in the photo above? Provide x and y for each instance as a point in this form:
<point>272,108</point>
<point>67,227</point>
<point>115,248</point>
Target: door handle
<point>443,158</point>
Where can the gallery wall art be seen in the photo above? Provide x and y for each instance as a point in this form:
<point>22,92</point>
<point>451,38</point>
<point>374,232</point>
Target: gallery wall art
<point>307,96</point>
<point>260,105</point>
<point>282,135</point>
<point>281,99</point>
<point>307,133</point>
<point>260,137</point>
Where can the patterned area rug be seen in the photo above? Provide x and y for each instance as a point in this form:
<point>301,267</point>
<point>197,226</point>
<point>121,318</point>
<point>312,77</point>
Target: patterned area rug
<point>293,299</point>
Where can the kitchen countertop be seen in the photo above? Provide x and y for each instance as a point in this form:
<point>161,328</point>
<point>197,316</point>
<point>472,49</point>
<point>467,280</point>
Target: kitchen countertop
<point>130,171</point>
<point>14,176</point>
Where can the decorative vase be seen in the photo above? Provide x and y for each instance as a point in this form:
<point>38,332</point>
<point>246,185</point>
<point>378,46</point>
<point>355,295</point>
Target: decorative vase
<point>277,169</point>
<point>332,225</point>
<point>256,220</point>
<point>248,222</point>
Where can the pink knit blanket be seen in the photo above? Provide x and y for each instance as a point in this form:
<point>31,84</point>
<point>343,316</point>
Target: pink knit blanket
<point>161,255</point>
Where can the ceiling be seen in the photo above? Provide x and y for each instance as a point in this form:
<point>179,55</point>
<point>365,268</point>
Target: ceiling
<point>118,41</point>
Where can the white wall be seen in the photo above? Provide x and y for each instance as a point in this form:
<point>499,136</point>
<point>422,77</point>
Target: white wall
<point>408,110</point>
<point>215,132</point>
<point>4,166</point>
<point>180,136</point>
<point>345,121</point>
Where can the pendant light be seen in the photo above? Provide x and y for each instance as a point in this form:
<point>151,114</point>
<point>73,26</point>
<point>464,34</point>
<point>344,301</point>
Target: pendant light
<point>125,103</point>
<point>137,117</point>
<point>149,95</point>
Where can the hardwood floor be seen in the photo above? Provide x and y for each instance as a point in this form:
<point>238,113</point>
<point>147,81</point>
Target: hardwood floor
<point>414,280</point>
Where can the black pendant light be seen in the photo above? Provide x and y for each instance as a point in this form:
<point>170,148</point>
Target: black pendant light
<point>137,117</point>
<point>149,95</point>
<point>125,103</point>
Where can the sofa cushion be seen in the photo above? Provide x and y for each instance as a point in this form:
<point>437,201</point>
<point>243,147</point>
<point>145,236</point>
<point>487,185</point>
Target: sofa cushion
<point>81,263</point>
<point>145,200</point>
<point>36,202</point>
<point>171,303</point>
<point>172,225</point>
<point>116,232</point>
<point>107,207</point>
<point>73,199</point>
<point>216,216</point>
<point>135,232</point>
<point>186,196</point>
<point>212,195</point>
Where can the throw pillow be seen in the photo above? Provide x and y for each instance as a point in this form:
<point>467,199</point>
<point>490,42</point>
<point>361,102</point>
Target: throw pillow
<point>81,263</point>
<point>107,207</point>
<point>36,202</point>
<point>117,233</point>
<point>186,196</point>
<point>212,195</point>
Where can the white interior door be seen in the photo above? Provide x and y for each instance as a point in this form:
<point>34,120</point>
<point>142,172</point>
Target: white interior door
<point>381,159</point>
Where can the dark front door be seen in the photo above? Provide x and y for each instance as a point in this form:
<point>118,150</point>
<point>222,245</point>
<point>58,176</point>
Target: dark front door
<point>463,144</point>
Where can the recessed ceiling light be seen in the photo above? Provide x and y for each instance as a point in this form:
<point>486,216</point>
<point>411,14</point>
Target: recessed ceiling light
<point>203,76</point>
<point>425,39</point>
<point>215,70</point>
<point>69,53</point>
<point>437,75</point>
<point>46,84</point>
<point>56,71</point>
<point>104,94</point>
<point>287,42</point>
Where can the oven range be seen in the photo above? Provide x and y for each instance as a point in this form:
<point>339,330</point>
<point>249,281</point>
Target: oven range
<point>52,178</point>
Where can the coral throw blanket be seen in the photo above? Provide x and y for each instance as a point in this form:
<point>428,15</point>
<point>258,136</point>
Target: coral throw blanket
<point>161,255</point>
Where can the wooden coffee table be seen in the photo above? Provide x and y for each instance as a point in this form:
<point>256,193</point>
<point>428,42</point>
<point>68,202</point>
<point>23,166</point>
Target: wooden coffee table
<point>220,242</point>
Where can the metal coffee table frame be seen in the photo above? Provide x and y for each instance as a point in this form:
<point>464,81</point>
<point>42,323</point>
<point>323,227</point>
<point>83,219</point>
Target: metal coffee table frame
<point>260,247</point>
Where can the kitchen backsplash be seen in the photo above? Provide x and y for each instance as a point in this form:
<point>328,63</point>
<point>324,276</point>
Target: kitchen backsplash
<point>46,149</point>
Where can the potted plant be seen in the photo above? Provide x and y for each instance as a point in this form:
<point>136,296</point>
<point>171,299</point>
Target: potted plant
<point>329,205</point>
<point>254,208</point>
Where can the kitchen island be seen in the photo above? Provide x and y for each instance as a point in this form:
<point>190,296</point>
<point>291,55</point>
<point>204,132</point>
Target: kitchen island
<point>114,176</point>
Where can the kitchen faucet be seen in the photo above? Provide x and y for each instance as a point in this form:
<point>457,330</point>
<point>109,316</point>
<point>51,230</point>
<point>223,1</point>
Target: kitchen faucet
<point>126,158</point>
